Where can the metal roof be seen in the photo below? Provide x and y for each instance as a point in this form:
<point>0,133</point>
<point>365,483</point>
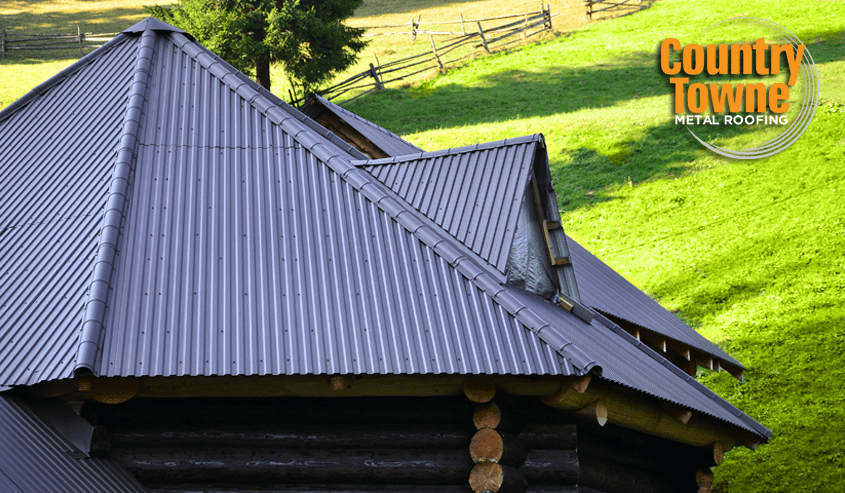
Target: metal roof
<point>34,458</point>
<point>605,290</point>
<point>629,362</point>
<point>473,193</point>
<point>389,143</point>
<point>56,156</point>
<point>235,236</point>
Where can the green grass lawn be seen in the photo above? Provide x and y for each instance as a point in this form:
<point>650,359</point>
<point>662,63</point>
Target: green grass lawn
<point>748,252</point>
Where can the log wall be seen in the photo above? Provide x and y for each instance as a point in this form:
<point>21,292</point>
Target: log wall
<point>383,445</point>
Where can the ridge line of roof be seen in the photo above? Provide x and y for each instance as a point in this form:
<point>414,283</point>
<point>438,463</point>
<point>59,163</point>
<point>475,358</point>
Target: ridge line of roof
<point>90,339</point>
<point>451,151</point>
<point>362,120</point>
<point>321,147</point>
<point>40,89</point>
<point>748,420</point>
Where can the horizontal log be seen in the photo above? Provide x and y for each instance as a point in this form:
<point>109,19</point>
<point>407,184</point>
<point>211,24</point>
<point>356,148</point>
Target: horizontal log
<point>246,465</point>
<point>446,436</point>
<point>558,467</point>
<point>296,411</point>
<point>308,488</point>
<point>488,445</point>
<point>500,416</point>
<point>496,478</point>
<point>640,413</point>
<point>614,478</point>
<point>550,436</point>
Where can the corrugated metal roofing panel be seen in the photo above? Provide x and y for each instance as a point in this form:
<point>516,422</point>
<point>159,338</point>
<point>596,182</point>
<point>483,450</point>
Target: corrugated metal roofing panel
<point>64,138</point>
<point>632,366</point>
<point>35,459</point>
<point>45,268</point>
<point>605,290</point>
<point>472,193</point>
<point>56,155</point>
<point>384,139</point>
<point>264,261</point>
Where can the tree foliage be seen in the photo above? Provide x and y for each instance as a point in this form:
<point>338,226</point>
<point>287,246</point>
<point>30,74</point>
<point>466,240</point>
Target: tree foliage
<point>308,37</point>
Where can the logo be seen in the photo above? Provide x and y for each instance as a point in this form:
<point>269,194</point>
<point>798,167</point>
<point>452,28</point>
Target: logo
<point>768,81</point>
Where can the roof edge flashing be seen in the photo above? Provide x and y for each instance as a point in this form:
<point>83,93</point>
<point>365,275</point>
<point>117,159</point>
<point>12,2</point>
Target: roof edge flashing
<point>90,342</point>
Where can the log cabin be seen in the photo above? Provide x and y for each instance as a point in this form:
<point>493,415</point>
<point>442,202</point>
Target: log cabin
<point>205,289</point>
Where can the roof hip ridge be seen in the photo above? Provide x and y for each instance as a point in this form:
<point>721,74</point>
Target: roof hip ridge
<point>452,150</point>
<point>91,337</point>
<point>364,183</point>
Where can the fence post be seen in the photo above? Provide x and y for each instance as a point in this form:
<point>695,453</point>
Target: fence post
<point>373,73</point>
<point>434,50</point>
<point>81,37</point>
<point>589,9</point>
<point>549,16</point>
<point>483,39</point>
<point>462,25</point>
<point>525,30</point>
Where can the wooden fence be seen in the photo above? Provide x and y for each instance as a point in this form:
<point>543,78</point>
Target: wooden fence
<point>78,41</point>
<point>377,76</point>
<point>615,7</point>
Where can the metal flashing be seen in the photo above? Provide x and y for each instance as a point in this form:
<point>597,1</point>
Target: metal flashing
<point>90,340</point>
<point>152,24</point>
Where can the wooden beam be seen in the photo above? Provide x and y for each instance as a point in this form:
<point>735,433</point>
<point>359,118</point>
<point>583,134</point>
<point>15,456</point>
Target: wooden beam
<point>264,465</point>
<point>307,386</point>
<point>559,467</point>
<point>496,478</point>
<point>488,445</point>
<point>704,479</point>
<point>311,436</point>
<point>637,412</point>
<point>550,436</point>
<point>479,389</point>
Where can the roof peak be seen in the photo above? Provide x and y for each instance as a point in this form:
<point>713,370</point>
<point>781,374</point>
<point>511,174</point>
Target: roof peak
<point>152,24</point>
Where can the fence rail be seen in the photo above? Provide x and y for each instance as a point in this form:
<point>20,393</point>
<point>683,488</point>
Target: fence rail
<point>624,6</point>
<point>379,75</point>
<point>80,40</point>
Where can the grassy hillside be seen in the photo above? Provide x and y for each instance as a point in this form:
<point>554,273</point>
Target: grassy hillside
<point>22,70</point>
<point>748,252</point>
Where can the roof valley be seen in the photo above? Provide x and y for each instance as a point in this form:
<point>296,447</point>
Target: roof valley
<point>89,348</point>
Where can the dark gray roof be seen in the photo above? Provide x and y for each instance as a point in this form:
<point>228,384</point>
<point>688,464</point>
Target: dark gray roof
<point>605,290</point>
<point>34,458</point>
<point>247,245</point>
<point>629,362</point>
<point>473,193</point>
<point>229,234</point>
<point>390,143</point>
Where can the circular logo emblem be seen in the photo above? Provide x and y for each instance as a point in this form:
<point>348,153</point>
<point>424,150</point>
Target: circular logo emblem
<point>768,80</point>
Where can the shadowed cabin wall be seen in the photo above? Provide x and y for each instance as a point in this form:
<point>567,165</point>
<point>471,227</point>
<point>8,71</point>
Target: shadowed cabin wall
<point>377,445</point>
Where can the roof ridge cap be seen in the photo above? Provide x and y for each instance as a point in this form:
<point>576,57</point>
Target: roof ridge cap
<point>748,420</point>
<point>40,89</point>
<point>90,339</point>
<point>496,144</point>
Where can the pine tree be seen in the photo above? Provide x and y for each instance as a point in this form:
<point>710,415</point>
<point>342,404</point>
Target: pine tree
<point>308,37</point>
